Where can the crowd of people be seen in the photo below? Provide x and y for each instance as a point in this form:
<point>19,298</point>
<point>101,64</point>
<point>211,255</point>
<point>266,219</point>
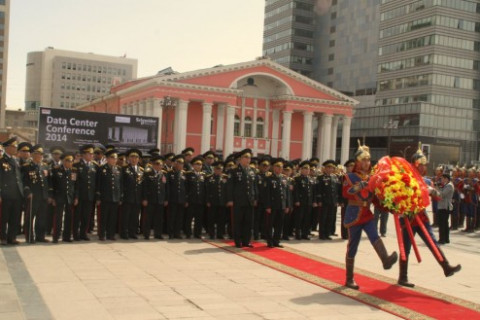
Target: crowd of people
<point>70,195</point>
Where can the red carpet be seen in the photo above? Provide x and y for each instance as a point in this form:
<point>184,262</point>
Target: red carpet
<point>372,291</point>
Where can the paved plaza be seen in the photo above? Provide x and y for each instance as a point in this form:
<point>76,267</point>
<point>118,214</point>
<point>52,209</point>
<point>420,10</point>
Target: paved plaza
<point>193,279</point>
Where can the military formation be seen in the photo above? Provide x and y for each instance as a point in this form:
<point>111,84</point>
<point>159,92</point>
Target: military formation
<point>98,191</point>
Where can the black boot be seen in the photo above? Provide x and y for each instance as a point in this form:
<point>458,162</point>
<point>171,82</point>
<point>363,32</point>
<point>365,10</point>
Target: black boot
<point>350,283</point>
<point>448,270</point>
<point>387,260</point>
<point>403,276</point>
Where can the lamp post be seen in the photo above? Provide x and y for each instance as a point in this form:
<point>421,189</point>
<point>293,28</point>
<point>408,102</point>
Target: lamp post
<point>168,103</point>
<point>391,124</point>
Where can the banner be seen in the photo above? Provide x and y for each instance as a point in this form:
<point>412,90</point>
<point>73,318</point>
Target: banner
<point>72,129</point>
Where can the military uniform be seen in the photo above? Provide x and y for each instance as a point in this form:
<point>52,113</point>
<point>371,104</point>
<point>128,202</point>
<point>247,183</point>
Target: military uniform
<point>35,180</point>
<point>155,192</point>
<point>328,196</point>
<point>259,226</point>
<point>85,193</point>
<point>276,200</point>
<point>109,192</point>
<point>11,191</point>
<point>62,189</point>
<point>243,192</point>
<point>303,198</point>
<point>176,202</point>
<point>132,179</point>
<point>216,199</point>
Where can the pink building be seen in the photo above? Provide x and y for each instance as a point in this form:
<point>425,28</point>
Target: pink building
<point>257,104</point>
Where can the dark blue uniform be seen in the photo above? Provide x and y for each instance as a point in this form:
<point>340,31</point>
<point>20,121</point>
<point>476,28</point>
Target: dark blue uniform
<point>85,193</point>
<point>276,199</point>
<point>196,198</point>
<point>109,192</point>
<point>11,191</point>
<point>177,198</point>
<point>303,198</point>
<point>329,188</point>
<point>62,188</point>
<point>155,192</point>
<point>35,180</point>
<point>132,180</point>
<point>217,200</point>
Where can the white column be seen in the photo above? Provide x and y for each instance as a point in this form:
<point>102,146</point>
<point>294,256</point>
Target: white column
<point>242,119</point>
<point>320,134</point>
<point>275,128</point>
<point>307,135</point>
<point>206,126</point>
<point>286,134</point>
<point>220,126</point>
<point>229,124</point>
<point>181,128</point>
<point>157,111</point>
<point>333,144</point>
<point>266,121</point>
<point>347,121</point>
<point>326,136</point>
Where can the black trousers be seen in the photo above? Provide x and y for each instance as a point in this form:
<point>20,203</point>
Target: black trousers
<point>153,218</point>
<point>327,219</point>
<point>11,210</point>
<point>194,211</point>
<point>443,229</point>
<point>274,226</point>
<point>63,215</point>
<point>242,224</point>
<point>302,221</point>
<point>129,221</point>
<point>81,219</point>
<point>216,221</point>
<point>107,219</point>
<point>258,221</point>
<point>176,212</point>
<point>35,217</point>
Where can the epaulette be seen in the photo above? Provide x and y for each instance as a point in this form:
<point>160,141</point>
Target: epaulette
<point>74,169</point>
<point>164,171</point>
<point>141,169</point>
<point>26,164</point>
<point>56,166</point>
<point>95,163</point>
<point>224,175</point>
<point>148,169</point>
<point>268,174</point>
<point>125,165</point>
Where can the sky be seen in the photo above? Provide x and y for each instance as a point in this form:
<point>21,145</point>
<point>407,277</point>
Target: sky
<point>183,34</point>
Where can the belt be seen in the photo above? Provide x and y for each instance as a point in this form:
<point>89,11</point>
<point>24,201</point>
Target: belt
<point>358,203</point>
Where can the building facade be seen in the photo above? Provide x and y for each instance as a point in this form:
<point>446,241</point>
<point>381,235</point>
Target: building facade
<point>67,79</point>
<point>258,104</point>
<point>413,66</point>
<point>4,33</point>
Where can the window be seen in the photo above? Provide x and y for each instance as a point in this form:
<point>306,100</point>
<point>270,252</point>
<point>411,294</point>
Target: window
<point>331,57</point>
<point>248,127</point>
<point>330,71</point>
<point>333,15</point>
<point>333,29</point>
<point>332,43</point>
<point>236,126</point>
<point>260,124</point>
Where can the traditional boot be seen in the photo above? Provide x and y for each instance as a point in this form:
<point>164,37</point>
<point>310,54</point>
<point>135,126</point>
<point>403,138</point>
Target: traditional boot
<point>403,276</point>
<point>448,270</point>
<point>350,283</point>
<point>387,260</point>
<point>467,227</point>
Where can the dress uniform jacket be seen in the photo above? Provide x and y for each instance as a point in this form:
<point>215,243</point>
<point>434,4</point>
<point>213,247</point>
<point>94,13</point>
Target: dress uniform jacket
<point>86,179</point>
<point>109,183</point>
<point>155,187</point>
<point>132,184</point>
<point>11,184</point>
<point>242,186</point>
<point>177,186</point>
<point>303,190</point>
<point>62,184</point>
<point>196,187</point>
<point>217,189</point>
<point>276,192</point>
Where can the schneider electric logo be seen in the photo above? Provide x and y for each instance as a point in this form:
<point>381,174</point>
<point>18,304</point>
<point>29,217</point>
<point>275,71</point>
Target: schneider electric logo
<point>119,119</point>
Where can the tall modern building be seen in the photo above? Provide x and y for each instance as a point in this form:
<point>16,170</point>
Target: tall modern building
<point>4,31</point>
<point>412,64</point>
<point>66,79</point>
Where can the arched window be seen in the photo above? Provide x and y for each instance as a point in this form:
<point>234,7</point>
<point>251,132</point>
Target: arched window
<point>236,126</point>
<point>248,127</point>
<point>260,125</point>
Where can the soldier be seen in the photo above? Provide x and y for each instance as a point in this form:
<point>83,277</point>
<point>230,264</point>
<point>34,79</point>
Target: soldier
<point>11,193</point>
<point>276,200</point>
<point>242,196</point>
<point>177,200</point>
<point>209,158</point>
<point>303,199</point>
<point>86,170</point>
<point>259,226</point>
<point>419,162</point>
<point>99,154</point>
<point>327,198</point>
<point>155,195</point>
<point>35,180</point>
<point>188,156</point>
<point>24,151</point>
<point>168,161</point>
<point>132,179</point>
<point>56,153</point>
<point>216,201</point>
<point>196,195</point>
<point>62,190</point>
<point>109,195</point>
<point>288,217</point>
<point>358,216</point>
<point>121,160</point>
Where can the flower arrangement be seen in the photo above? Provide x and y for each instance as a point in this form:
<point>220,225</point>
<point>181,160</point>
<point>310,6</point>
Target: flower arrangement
<point>399,187</point>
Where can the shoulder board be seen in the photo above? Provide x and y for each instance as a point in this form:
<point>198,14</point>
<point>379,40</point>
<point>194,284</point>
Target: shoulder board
<point>125,165</point>
<point>164,171</point>
<point>73,168</point>
<point>148,169</point>
<point>26,164</point>
<point>224,175</point>
<point>268,174</point>
<point>95,162</point>
<point>56,167</point>
<point>141,169</point>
